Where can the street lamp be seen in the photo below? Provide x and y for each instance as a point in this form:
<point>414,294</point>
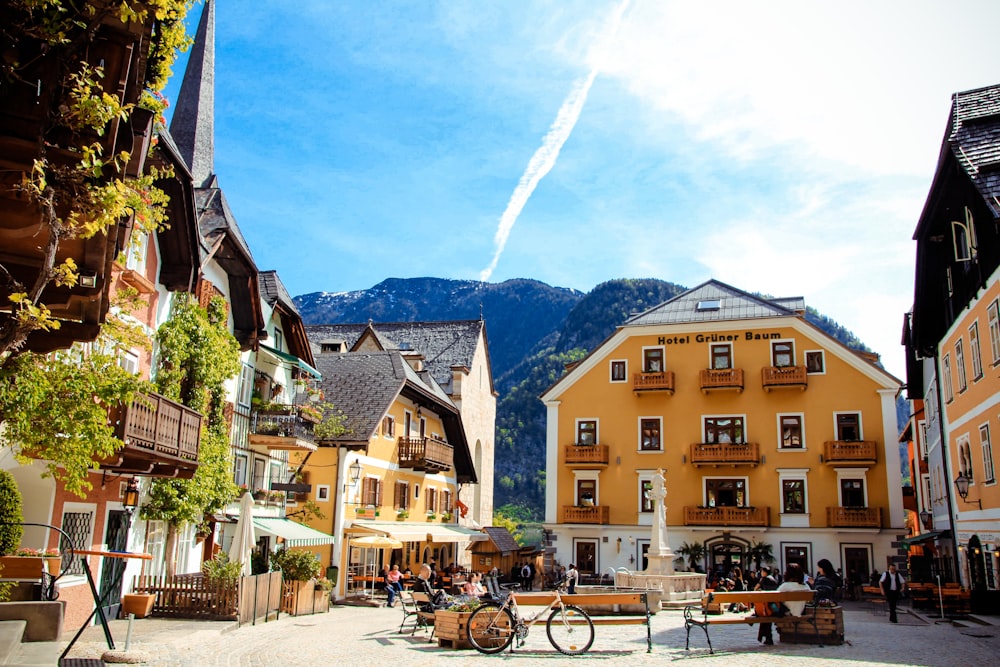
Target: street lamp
<point>962,485</point>
<point>354,472</point>
<point>926,518</point>
<point>130,499</point>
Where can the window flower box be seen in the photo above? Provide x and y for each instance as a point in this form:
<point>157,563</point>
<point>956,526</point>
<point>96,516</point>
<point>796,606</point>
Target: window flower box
<point>29,566</point>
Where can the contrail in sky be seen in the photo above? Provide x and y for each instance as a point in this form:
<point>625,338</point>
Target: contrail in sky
<point>545,157</point>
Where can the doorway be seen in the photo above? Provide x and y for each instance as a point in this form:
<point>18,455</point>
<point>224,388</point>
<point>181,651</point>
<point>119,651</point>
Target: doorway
<point>112,569</point>
<point>586,556</point>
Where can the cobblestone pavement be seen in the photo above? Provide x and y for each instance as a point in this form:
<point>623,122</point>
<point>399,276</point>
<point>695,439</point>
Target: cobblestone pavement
<point>361,636</point>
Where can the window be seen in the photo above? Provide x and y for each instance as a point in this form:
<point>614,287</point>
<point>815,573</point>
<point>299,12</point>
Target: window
<point>724,430</point>
<point>984,438</point>
<point>949,390</point>
<point>815,362</point>
<point>964,238</point>
<point>652,360</point>
<point>371,492</point>
<point>240,470</point>
<point>960,365</point>
<point>586,492</point>
<point>645,503</point>
<point>619,370</point>
<point>446,501</point>
<point>709,304</point>
<point>852,493</point>
<point>994,323</point>
<point>279,340</point>
<point>586,432</point>
<point>922,436</point>
<point>782,353</point>
<point>258,474</point>
<point>649,434</point>
<point>136,253</point>
<point>401,496</point>
<point>246,385</point>
<point>323,493</point>
<point>926,501</point>
<point>848,426</point>
<point>129,361</point>
<point>389,426</point>
<point>431,500</point>
<point>791,431</point>
<point>722,357</point>
<point>793,496</point>
<point>726,492</point>
<point>974,352</point>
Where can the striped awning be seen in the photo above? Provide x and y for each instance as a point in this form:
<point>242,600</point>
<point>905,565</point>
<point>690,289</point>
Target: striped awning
<point>294,534</point>
<point>416,532</point>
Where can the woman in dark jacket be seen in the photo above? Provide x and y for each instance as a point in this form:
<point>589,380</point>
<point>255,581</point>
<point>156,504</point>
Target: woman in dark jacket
<point>827,582</point>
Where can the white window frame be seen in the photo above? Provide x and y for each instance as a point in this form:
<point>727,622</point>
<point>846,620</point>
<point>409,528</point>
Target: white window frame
<point>638,442</point>
<point>975,354</point>
<point>240,467</point>
<point>965,457</point>
<point>963,381</point>
<point>949,388</point>
<point>922,438</point>
<point>586,475</point>
<point>851,473</point>
<point>796,520</point>
<point>643,475</point>
<point>805,361</point>
<point>927,496</point>
<point>802,433</point>
<point>322,493</point>
<point>663,357</point>
<point>989,473</point>
<point>136,252</point>
<point>704,488</point>
<point>993,316</point>
<point>743,417</point>
<point>611,371</point>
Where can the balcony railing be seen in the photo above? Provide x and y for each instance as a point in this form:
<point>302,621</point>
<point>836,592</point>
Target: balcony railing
<point>653,381</point>
<point>161,438</point>
<point>854,517</point>
<point>428,454</point>
<point>283,428</point>
<point>586,454</point>
<point>592,514</point>
<point>727,516</point>
<point>720,379</point>
<point>774,377</point>
<point>703,453</point>
<point>850,451</point>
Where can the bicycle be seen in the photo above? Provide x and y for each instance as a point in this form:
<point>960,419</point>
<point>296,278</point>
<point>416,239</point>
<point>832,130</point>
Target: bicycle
<point>493,626</point>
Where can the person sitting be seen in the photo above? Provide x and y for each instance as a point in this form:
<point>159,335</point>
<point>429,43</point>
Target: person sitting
<point>827,582</point>
<point>794,577</point>
<point>393,585</point>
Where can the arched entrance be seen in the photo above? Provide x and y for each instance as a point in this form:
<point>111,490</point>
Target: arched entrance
<point>977,564</point>
<point>725,552</point>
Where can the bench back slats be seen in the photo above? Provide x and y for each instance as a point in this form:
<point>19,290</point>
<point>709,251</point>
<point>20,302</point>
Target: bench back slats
<point>750,597</point>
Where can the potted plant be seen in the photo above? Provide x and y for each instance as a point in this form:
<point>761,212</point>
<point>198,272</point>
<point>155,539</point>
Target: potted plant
<point>299,571</point>
<point>431,516</point>
<point>402,514</point>
<point>447,516</point>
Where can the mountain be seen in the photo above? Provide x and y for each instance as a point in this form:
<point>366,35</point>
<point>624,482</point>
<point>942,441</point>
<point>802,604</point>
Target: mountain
<point>534,331</point>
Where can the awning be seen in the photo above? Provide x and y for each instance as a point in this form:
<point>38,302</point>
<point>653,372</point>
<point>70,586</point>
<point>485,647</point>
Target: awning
<point>924,537</point>
<point>294,534</point>
<point>292,359</point>
<point>415,532</point>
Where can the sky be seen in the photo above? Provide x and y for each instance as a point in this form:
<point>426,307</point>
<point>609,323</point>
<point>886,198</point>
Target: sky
<point>784,148</point>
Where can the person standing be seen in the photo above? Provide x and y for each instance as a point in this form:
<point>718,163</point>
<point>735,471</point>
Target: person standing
<point>767,583</point>
<point>572,576</point>
<point>892,585</point>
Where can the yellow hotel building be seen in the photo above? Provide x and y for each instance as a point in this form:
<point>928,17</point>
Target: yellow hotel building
<point>768,430</point>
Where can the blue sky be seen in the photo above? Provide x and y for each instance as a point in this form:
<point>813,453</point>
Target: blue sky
<point>782,147</point>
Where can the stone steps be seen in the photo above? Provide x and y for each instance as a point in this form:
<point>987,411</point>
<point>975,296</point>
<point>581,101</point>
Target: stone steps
<point>14,652</point>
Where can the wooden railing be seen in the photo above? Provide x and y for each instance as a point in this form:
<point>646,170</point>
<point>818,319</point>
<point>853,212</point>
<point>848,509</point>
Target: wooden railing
<point>429,454</point>
<point>193,596</point>
<point>725,378</point>
<point>703,453</point>
<point>586,454</point>
<point>653,381</point>
<point>727,516</point>
<point>594,514</point>
<point>849,451</point>
<point>854,517</point>
<point>161,437</point>
<point>784,376</point>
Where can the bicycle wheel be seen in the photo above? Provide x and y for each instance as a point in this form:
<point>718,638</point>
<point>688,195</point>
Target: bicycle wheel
<point>570,630</point>
<point>491,629</point>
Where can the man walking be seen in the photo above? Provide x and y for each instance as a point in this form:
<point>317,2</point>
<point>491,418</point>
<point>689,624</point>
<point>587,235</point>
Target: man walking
<point>892,585</point>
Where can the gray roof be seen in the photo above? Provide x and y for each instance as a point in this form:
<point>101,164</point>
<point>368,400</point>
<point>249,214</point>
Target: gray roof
<point>733,304</point>
<point>273,291</point>
<point>974,139</point>
<point>502,538</point>
<point>444,345</point>
<point>193,122</point>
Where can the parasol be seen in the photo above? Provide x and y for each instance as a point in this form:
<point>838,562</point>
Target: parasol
<point>243,541</point>
<point>376,542</point>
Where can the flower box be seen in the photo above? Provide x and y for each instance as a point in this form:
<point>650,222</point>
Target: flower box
<point>367,513</point>
<point>140,604</point>
<point>29,567</point>
<point>452,628</point>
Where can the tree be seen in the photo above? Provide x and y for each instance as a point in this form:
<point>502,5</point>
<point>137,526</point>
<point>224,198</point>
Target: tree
<point>197,355</point>
<point>761,552</point>
<point>695,554</point>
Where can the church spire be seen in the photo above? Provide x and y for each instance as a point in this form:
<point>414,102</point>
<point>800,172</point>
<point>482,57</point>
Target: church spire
<point>193,122</point>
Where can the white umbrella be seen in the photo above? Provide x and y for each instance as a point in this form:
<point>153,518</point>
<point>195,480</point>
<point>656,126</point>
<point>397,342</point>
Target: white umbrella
<point>244,540</point>
<point>377,542</point>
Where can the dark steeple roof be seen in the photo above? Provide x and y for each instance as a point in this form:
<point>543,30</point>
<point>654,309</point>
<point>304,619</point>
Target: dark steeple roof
<point>193,123</point>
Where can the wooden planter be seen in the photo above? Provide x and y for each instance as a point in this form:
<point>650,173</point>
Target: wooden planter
<point>140,604</point>
<point>28,567</point>
<point>452,628</point>
<point>829,626</point>
<point>301,598</point>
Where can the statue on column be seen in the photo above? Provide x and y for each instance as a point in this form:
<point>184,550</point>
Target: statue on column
<point>661,558</point>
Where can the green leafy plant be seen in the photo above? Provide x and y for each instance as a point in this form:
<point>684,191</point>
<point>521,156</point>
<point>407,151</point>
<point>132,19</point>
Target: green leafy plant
<point>220,570</point>
<point>694,552</point>
<point>11,514</point>
<point>402,514</point>
<point>324,584</point>
<point>296,564</point>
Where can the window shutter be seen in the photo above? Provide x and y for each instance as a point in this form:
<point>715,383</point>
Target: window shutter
<point>378,493</point>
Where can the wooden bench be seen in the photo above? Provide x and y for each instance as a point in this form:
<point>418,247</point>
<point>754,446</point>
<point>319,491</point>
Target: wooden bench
<point>611,608</point>
<point>422,603</point>
<point>703,616</point>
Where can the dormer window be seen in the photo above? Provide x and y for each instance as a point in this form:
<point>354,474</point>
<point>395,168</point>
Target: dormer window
<point>709,304</point>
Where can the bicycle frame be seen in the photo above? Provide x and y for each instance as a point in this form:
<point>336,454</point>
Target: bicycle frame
<point>569,629</point>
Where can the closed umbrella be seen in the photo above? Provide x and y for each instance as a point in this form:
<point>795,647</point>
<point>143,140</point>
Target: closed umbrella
<point>243,541</point>
<point>376,542</point>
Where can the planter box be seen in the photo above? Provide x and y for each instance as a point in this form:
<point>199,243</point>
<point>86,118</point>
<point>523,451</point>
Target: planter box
<point>452,628</point>
<point>28,567</point>
<point>140,604</point>
<point>366,514</point>
<point>829,626</point>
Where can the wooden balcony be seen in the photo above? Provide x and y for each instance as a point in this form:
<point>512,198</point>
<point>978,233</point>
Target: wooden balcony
<point>594,514</point>
<point>703,453</point>
<point>161,438</point>
<point>727,516</point>
<point>653,382</point>
<point>785,377</point>
<point>730,379</point>
<point>283,429</point>
<point>583,456</point>
<point>427,454</point>
<point>846,452</point>
<point>854,517</point>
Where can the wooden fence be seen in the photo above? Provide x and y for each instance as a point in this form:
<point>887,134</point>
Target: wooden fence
<point>193,596</point>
